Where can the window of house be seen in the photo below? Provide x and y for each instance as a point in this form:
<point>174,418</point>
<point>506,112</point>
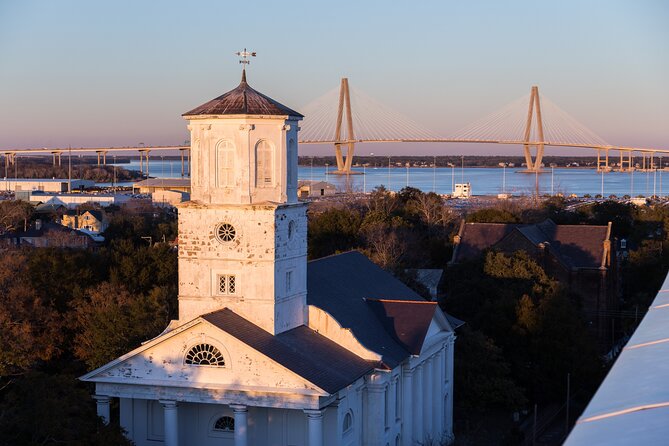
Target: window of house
<point>264,164</point>
<point>225,232</point>
<point>348,422</point>
<point>227,284</point>
<point>225,164</point>
<point>225,424</point>
<point>205,354</point>
<point>289,281</point>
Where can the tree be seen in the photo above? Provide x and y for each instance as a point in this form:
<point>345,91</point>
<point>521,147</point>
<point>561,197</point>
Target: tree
<point>492,216</point>
<point>483,377</point>
<point>30,329</point>
<point>332,231</point>
<point>41,409</point>
<point>112,321</point>
<point>14,215</point>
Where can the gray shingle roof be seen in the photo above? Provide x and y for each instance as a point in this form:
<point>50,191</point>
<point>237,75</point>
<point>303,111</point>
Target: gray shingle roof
<point>343,284</point>
<point>301,350</point>
<point>243,100</point>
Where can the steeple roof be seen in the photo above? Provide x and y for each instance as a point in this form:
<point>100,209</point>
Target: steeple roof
<point>243,100</point>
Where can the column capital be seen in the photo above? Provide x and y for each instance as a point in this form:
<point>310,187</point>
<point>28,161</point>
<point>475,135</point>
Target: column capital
<point>102,398</point>
<point>239,407</point>
<point>168,403</point>
<point>314,413</point>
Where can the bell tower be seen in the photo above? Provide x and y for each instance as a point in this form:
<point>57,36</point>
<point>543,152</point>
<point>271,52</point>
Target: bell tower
<point>242,237</point>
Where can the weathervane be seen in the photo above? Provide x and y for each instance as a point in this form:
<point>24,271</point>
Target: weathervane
<point>245,56</point>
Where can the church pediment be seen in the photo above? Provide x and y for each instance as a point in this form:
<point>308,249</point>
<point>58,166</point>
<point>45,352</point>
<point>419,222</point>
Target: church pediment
<point>201,355</point>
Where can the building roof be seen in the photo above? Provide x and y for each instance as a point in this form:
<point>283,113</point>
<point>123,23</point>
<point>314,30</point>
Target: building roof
<point>301,350</point>
<point>406,321</point>
<point>477,237</point>
<point>163,182</point>
<point>575,246</point>
<point>243,100</point>
<point>631,405</point>
<point>359,295</point>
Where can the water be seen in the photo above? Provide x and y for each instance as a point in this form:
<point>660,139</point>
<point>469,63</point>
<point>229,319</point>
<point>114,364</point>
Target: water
<point>484,181</point>
<point>492,181</point>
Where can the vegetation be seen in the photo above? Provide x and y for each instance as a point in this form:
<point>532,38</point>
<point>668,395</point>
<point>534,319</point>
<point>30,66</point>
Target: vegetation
<point>84,169</point>
<point>66,311</point>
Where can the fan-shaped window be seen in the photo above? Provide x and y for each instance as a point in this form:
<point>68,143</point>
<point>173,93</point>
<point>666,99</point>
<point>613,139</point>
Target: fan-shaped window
<point>205,354</point>
<point>225,164</point>
<point>264,164</point>
<point>225,424</point>
<point>348,422</point>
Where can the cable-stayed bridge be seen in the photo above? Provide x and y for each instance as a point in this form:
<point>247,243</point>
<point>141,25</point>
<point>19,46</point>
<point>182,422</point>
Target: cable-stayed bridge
<point>346,116</point>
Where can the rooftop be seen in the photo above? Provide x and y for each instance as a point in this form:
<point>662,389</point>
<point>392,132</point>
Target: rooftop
<point>243,100</point>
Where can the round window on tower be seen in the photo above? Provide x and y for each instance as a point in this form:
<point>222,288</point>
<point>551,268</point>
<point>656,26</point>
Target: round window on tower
<point>225,232</point>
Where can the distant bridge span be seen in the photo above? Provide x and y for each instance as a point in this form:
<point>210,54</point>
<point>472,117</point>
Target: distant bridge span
<point>519,123</point>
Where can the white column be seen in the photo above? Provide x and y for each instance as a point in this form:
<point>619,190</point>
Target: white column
<point>241,424</point>
<point>448,426</point>
<point>171,411</point>
<point>102,403</point>
<point>407,405</point>
<point>428,391</point>
<point>374,426</point>
<point>417,402</point>
<point>315,427</point>
<point>438,392</point>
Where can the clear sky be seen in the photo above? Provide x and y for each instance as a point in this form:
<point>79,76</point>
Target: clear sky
<point>116,73</point>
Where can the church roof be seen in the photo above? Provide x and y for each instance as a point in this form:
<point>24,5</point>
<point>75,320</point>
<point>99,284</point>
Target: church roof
<point>385,315</point>
<point>243,100</point>
<point>301,350</point>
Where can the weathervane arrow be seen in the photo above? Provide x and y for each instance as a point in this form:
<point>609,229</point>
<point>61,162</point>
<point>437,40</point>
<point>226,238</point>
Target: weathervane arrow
<point>245,56</point>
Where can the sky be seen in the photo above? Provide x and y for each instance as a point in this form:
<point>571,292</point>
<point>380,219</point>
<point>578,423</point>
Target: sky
<point>117,73</point>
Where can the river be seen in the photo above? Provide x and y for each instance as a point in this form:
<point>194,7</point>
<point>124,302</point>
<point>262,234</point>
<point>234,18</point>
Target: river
<point>484,181</point>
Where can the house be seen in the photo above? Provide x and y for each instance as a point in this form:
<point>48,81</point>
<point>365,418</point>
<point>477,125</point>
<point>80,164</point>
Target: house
<point>44,184</point>
<point>269,349</point>
<point>152,185</point>
<point>308,189</point>
<point>91,221</point>
<point>71,201</point>
<point>579,256</point>
<point>46,235</point>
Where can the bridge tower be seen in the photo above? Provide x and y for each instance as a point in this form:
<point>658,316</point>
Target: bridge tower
<point>534,110</point>
<point>344,165</point>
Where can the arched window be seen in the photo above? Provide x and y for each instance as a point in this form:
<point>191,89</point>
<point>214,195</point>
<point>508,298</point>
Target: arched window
<point>264,164</point>
<point>225,164</point>
<point>348,422</point>
<point>225,424</point>
<point>205,354</point>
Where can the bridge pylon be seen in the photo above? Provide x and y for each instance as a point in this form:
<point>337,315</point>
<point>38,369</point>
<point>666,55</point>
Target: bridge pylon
<point>344,164</point>
<point>534,109</point>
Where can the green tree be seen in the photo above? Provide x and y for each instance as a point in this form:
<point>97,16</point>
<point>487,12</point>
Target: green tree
<point>333,230</point>
<point>41,409</point>
<point>30,329</point>
<point>483,377</point>
<point>111,321</point>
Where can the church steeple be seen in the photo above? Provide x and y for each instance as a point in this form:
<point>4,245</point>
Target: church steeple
<point>242,238</point>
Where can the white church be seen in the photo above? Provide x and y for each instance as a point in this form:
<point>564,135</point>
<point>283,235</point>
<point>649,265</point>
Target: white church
<point>270,349</point>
